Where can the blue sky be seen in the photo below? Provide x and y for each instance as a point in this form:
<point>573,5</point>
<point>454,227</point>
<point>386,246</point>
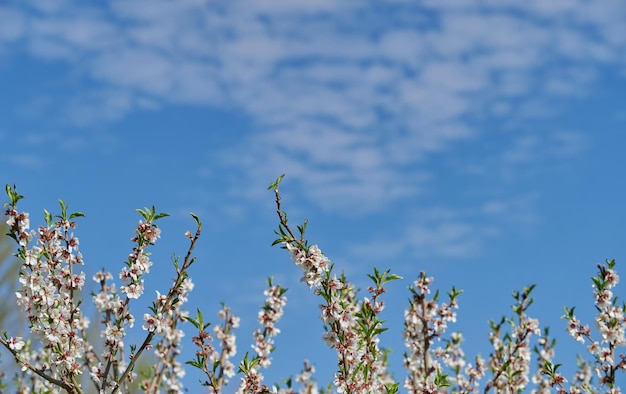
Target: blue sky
<point>483,143</point>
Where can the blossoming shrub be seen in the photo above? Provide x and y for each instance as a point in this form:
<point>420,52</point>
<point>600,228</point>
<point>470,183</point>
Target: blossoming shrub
<point>58,356</point>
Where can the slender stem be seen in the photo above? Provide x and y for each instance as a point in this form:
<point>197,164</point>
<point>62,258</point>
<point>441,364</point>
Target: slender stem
<point>426,336</point>
<point>65,386</point>
<point>167,305</point>
<point>281,216</point>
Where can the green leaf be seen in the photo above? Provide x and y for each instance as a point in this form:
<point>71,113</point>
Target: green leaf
<point>194,364</point>
<point>302,229</point>
<point>13,195</point>
<point>77,215</point>
<point>63,209</point>
<point>441,380</point>
<point>145,214</point>
<point>610,263</point>
<point>197,219</point>
<point>454,293</point>
<point>198,322</point>
<point>274,186</point>
<point>392,388</point>
<point>48,217</point>
<point>569,313</point>
<point>160,215</point>
<point>393,277</point>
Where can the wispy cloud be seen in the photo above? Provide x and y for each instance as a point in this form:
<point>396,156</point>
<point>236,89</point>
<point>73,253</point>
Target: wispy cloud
<point>25,160</point>
<point>353,101</point>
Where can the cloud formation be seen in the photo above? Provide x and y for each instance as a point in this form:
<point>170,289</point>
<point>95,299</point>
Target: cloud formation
<point>354,100</point>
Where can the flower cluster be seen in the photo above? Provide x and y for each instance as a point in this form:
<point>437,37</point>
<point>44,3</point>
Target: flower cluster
<point>511,359</point>
<point>425,321</point>
<point>216,365</point>
<point>50,295</point>
<point>269,314</point>
<point>164,322</point>
<point>107,368</point>
<point>611,324</point>
<point>544,351</point>
<point>465,375</point>
<point>352,327</point>
<point>166,315</point>
<point>339,314</point>
<point>312,261</point>
<point>49,288</point>
<point>305,379</point>
<point>227,343</point>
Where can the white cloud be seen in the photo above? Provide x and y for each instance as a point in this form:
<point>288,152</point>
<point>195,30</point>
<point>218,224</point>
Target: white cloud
<point>284,66</point>
<point>447,239</point>
<point>25,160</point>
<point>347,99</point>
<point>12,26</point>
<point>102,105</point>
<point>567,143</point>
<point>88,33</point>
<point>150,71</point>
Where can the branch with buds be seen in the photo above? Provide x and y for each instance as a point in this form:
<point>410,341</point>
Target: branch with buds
<point>57,356</point>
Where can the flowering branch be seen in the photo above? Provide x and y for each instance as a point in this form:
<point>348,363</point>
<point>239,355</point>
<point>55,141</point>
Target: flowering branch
<point>166,314</point>
<point>424,322</point>
<point>216,365</point>
<point>610,322</point>
<point>47,294</point>
<point>352,326</point>
<point>57,353</point>
<point>510,361</point>
<point>269,315</point>
<point>50,295</point>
